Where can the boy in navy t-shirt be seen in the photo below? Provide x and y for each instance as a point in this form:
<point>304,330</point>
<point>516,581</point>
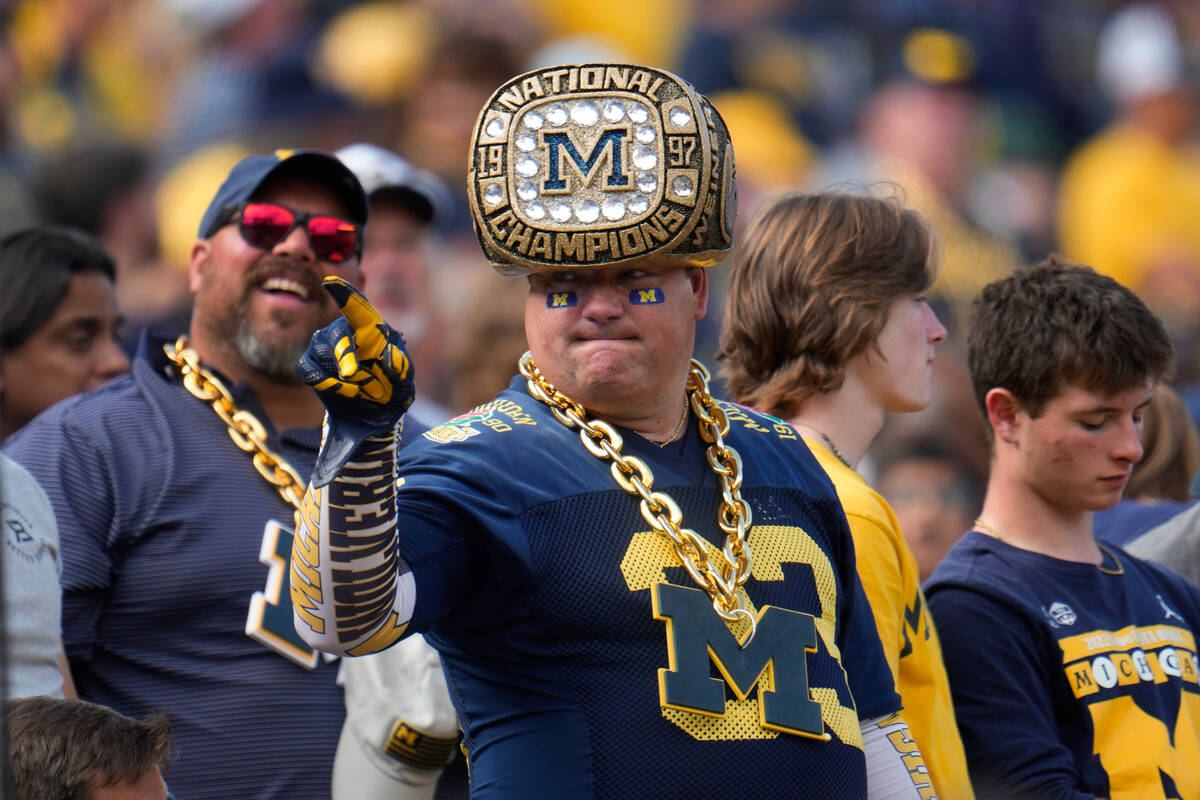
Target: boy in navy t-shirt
<point>1073,667</point>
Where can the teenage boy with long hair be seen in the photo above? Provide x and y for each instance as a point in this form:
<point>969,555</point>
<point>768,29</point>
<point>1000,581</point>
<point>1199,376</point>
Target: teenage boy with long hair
<point>827,327</point>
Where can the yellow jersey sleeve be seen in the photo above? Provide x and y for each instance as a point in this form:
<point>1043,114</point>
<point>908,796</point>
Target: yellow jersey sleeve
<point>889,576</point>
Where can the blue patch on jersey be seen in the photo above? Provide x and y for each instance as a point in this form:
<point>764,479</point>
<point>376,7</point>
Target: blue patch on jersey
<point>645,297</point>
<point>561,299</point>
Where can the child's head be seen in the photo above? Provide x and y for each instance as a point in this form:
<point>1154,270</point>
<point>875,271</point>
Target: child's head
<point>814,279</point>
<point>1039,330</point>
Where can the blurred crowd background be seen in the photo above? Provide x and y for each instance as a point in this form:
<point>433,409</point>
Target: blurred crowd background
<point>1018,127</point>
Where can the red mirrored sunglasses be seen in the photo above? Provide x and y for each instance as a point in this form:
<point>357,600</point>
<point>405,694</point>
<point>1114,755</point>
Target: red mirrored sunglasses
<point>265,225</point>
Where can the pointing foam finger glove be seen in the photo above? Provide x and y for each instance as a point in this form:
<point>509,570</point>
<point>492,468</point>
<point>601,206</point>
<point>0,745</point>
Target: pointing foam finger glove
<point>359,368</point>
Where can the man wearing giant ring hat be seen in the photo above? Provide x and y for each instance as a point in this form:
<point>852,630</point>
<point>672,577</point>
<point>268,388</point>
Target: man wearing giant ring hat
<point>637,589</point>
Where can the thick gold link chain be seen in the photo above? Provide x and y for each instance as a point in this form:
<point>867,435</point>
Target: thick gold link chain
<point>660,511</point>
<point>245,429</point>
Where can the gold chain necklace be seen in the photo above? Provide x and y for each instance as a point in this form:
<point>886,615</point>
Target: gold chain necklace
<point>245,429</point>
<point>1118,570</point>
<point>659,510</point>
<point>828,443</point>
<point>680,427</point>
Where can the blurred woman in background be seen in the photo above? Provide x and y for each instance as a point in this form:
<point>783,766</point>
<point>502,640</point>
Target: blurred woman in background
<point>58,321</point>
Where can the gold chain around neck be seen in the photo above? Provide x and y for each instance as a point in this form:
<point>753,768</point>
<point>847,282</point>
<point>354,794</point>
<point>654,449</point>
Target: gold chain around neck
<point>828,443</point>
<point>245,429</point>
<point>659,510</point>
<point>1119,569</point>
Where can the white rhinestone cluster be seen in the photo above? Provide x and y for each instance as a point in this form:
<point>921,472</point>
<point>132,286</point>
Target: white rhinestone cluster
<point>493,194</point>
<point>595,206</point>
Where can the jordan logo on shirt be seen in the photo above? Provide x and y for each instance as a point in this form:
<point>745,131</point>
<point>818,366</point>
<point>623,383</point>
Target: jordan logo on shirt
<point>1168,612</point>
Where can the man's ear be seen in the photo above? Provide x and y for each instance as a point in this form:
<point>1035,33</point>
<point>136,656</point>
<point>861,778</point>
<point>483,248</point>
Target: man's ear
<point>1002,410</point>
<point>698,280</point>
<point>200,255</point>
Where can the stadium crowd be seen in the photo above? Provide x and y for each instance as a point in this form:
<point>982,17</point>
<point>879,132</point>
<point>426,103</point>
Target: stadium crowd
<point>1014,130</point>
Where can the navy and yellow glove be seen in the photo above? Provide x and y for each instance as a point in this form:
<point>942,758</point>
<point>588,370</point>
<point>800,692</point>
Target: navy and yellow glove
<point>359,368</point>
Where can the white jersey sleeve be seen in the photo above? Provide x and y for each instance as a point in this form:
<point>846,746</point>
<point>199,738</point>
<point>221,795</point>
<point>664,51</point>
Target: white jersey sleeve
<point>352,594</point>
<point>895,767</point>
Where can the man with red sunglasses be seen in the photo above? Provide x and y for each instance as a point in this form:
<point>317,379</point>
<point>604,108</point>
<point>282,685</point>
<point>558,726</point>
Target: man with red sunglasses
<point>175,488</point>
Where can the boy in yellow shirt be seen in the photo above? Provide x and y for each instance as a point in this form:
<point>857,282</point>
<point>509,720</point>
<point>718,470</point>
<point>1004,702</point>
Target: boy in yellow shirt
<point>827,327</point>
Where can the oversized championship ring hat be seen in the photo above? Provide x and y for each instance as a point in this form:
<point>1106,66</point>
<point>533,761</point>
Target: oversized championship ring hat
<point>599,165</point>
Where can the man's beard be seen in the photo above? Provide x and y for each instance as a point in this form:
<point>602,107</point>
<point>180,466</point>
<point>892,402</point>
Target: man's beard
<point>276,359</point>
<point>272,353</point>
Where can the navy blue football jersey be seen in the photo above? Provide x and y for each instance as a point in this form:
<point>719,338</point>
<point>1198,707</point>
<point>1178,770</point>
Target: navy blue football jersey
<point>1070,679</point>
<point>583,659</point>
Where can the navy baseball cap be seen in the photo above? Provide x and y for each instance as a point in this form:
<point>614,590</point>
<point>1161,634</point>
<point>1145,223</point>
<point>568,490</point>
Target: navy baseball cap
<point>253,171</point>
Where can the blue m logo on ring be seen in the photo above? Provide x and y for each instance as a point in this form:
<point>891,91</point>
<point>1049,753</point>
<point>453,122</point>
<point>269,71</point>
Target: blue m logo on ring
<point>558,142</point>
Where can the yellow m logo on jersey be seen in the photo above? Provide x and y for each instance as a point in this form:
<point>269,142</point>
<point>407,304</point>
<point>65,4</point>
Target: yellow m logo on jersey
<point>747,715</point>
